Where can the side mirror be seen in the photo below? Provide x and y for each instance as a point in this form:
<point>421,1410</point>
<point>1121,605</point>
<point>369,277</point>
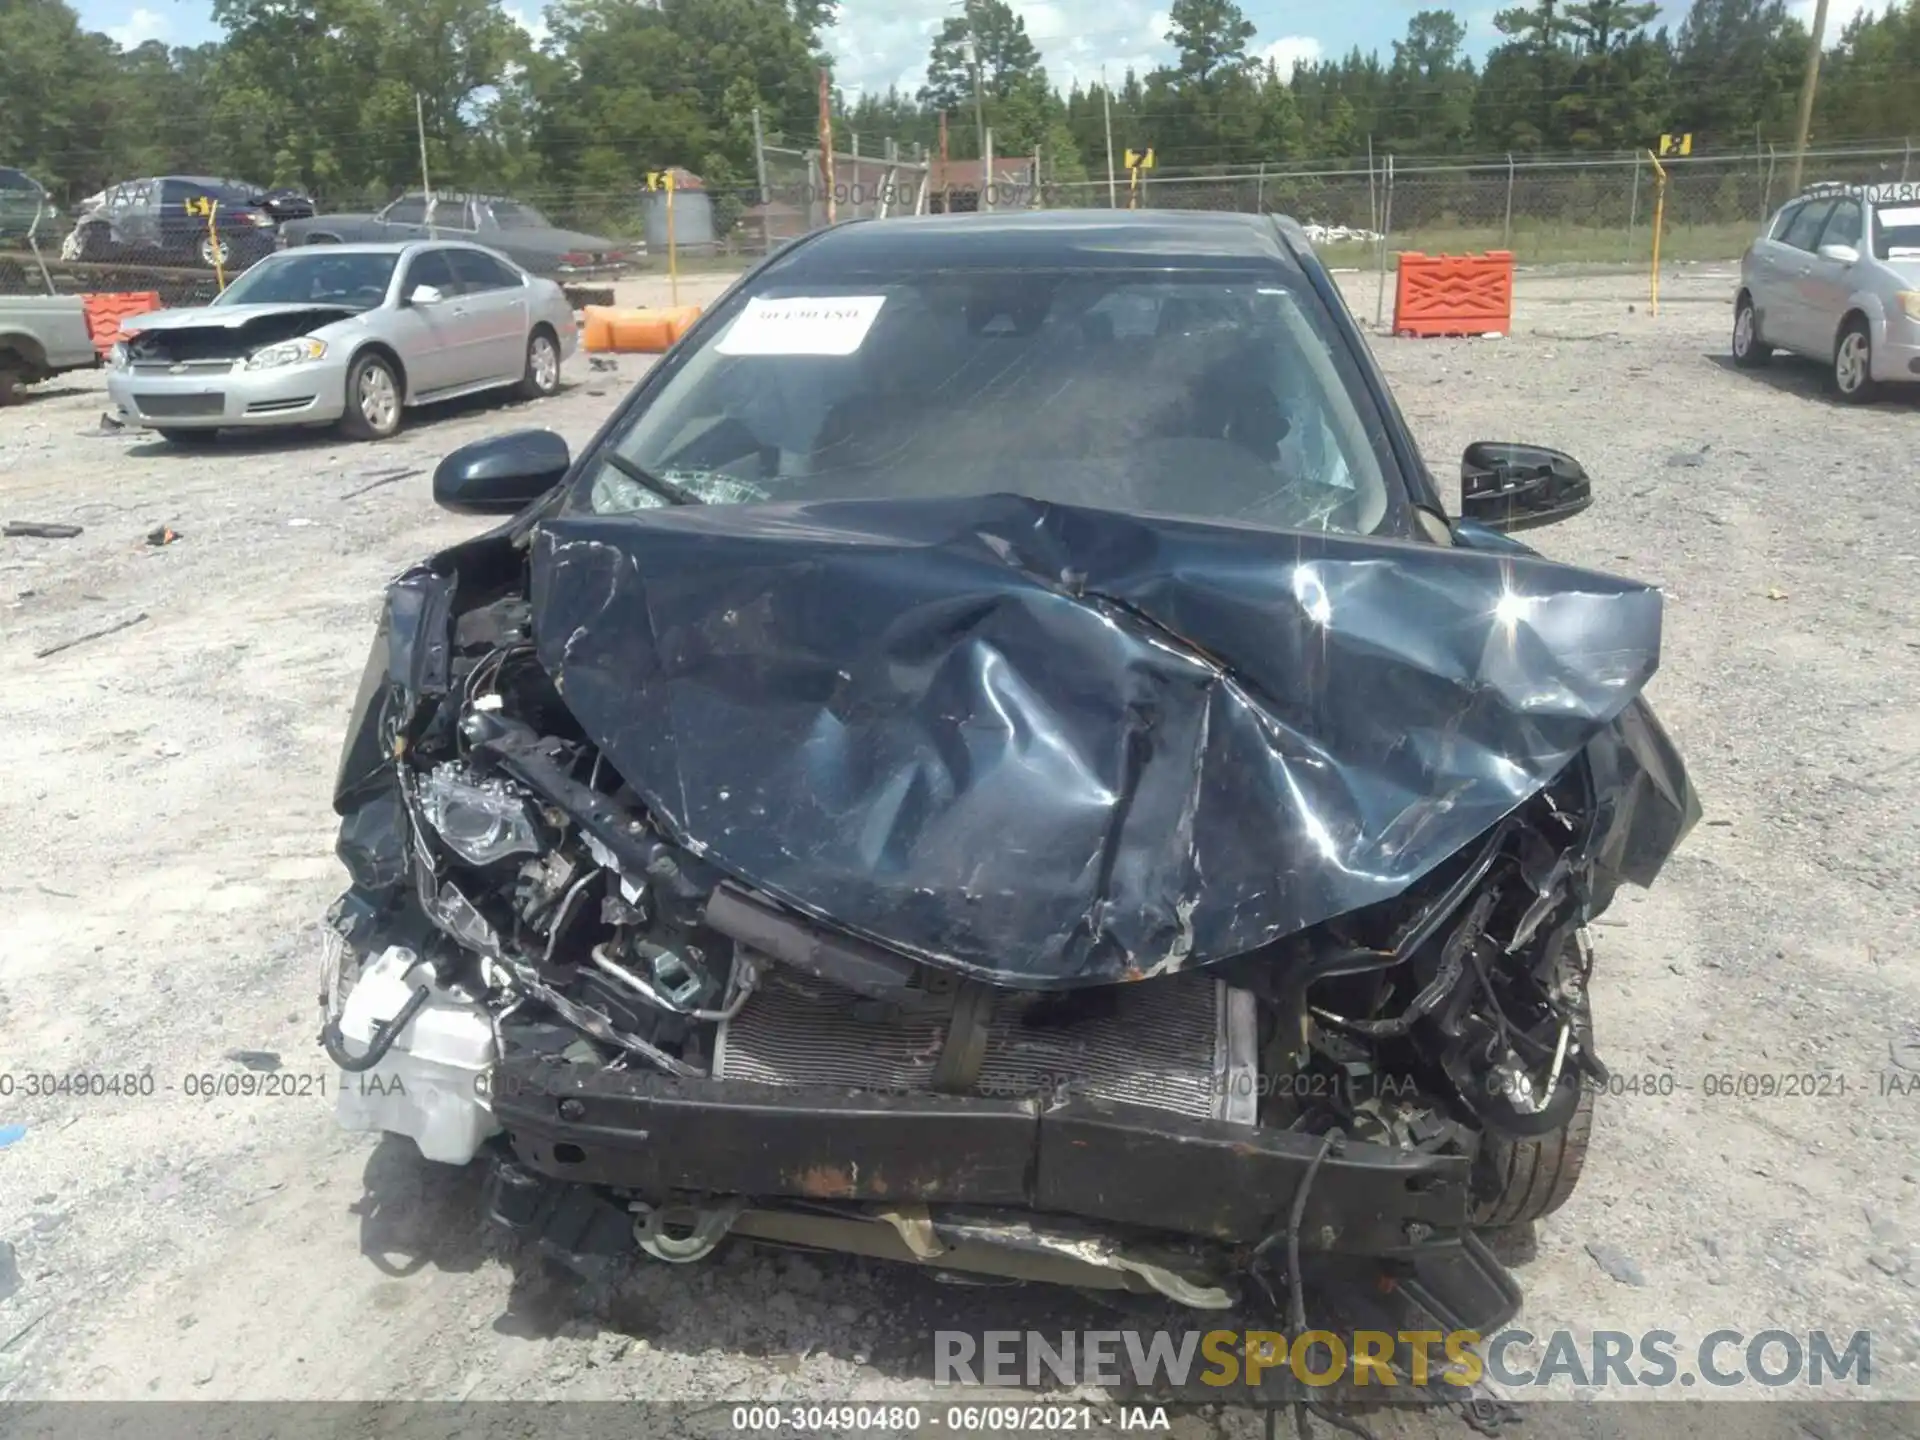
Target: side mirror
<point>425,295</point>
<point>1516,487</point>
<point>1845,254</point>
<point>502,474</point>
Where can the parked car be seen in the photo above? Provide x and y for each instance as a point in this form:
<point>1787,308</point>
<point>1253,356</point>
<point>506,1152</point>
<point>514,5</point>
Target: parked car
<point>516,230</point>
<point>182,220</point>
<point>42,336</point>
<point>352,335</point>
<point>24,207</point>
<point>995,755</point>
<point>1836,277</point>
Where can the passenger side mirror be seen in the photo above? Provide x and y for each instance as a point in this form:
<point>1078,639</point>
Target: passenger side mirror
<point>1845,254</point>
<point>1516,487</point>
<point>425,295</point>
<point>501,474</point>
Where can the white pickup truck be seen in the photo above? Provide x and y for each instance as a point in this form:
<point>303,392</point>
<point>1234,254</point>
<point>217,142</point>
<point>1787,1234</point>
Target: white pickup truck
<point>40,337</point>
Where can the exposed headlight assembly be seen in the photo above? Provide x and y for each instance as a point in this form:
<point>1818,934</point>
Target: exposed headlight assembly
<point>117,358</point>
<point>287,352</point>
<point>1910,303</point>
<point>481,822</point>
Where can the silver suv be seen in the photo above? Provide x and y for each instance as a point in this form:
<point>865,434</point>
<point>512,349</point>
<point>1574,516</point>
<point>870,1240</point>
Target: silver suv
<point>1836,277</point>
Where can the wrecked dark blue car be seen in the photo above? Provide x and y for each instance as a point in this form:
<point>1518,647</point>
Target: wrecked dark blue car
<point>997,757</point>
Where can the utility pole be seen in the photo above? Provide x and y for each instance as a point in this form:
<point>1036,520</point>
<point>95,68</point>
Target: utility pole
<point>426,185</point>
<point>1106,107</point>
<point>986,173</point>
<point>979,106</point>
<point>946,187</point>
<point>826,141</point>
<point>760,156</point>
<point>1807,85</point>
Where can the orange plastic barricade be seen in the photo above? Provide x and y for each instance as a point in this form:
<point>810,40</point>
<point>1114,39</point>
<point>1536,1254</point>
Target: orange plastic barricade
<point>1454,294</point>
<point>636,332</point>
<point>107,314</point>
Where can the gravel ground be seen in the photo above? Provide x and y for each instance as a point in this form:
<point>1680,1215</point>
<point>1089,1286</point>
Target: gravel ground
<point>165,855</point>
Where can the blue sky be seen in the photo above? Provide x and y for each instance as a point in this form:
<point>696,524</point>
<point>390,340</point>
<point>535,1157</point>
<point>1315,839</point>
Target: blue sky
<point>878,42</point>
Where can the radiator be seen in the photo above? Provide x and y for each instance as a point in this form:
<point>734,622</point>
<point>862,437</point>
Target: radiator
<point>1181,1043</point>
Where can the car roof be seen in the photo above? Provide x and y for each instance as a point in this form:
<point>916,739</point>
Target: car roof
<point>1080,239</point>
<point>389,247</point>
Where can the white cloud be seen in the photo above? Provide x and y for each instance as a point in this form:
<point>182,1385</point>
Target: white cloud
<point>884,42</point>
<point>534,22</point>
<point>1289,51</point>
<point>139,27</point>
<point>1839,14</point>
<point>878,43</point>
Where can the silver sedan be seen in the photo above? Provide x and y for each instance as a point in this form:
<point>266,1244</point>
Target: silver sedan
<point>344,334</point>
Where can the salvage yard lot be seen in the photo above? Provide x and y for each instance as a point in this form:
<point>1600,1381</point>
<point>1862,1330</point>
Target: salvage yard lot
<point>165,858</point>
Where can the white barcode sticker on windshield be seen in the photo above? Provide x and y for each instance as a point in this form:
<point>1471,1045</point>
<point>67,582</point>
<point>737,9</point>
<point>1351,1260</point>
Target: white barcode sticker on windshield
<point>802,325</point>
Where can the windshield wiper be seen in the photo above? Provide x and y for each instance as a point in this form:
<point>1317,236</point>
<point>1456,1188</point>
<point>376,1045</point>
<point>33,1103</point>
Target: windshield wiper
<point>668,491</point>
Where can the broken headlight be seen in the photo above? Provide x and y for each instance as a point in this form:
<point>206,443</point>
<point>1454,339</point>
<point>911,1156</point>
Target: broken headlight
<point>480,821</point>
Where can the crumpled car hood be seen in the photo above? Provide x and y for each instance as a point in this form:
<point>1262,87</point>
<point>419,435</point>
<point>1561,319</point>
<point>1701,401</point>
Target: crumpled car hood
<point>1050,747</point>
<point>231,317</point>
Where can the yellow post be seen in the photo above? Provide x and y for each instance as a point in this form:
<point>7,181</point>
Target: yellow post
<point>213,244</point>
<point>673,263</point>
<point>1659,218</point>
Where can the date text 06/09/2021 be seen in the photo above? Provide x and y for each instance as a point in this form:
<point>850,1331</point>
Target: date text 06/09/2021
<point>961,1419</point>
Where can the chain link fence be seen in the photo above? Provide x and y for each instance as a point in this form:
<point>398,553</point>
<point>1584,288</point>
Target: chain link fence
<point>1587,210</point>
<point>1552,211</point>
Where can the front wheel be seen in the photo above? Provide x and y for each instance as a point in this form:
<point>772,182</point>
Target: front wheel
<point>1853,363</point>
<point>373,399</point>
<point>542,375</point>
<point>1516,1181</point>
<point>213,253</point>
<point>1750,352</point>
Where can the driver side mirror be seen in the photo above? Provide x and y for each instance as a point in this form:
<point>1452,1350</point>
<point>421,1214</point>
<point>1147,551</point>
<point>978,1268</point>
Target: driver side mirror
<point>1845,254</point>
<point>425,295</point>
<point>502,474</point>
<point>1516,487</point>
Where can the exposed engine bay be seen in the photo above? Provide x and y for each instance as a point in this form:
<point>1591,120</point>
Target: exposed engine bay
<point>561,974</point>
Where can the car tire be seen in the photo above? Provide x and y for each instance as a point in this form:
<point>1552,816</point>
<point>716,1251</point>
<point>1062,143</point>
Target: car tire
<point>1852,370</point>
<point>187,439</point>
<point>96,244</point>
<point>1517,1181</point>
<point>1750,352</point>
<point>206,252</point>
<point>374,398</point>
<point>541,377</point>
<point>9,378</point>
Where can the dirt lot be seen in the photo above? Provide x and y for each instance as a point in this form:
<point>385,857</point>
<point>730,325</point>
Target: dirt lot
<point>165,856</point>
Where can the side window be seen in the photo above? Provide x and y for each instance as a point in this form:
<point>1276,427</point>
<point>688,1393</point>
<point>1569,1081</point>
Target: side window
<point>452,214</point>
<point>1806,225</point>
<point>430,267</point>
<point>407,210</point>
<point>1843,228</point>
<point>1784,221</point>
<point>482,272</point>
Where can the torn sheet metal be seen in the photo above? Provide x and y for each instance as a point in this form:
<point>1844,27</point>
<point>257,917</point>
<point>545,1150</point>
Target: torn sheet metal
<point>1050,746</point>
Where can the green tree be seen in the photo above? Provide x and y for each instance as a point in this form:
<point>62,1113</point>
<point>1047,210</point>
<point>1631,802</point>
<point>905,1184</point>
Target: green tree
<point>1430,86</point>
<point>989,43</point>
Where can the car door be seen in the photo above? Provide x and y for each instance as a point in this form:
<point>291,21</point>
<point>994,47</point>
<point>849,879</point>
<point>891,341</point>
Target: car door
<point>1765,273</point>
<point>435,338</point>
<point>1796,329</point>
<point>1827,283</point>
<point>451,218</point>
<point>404,219</point>
<point>496,298</point>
